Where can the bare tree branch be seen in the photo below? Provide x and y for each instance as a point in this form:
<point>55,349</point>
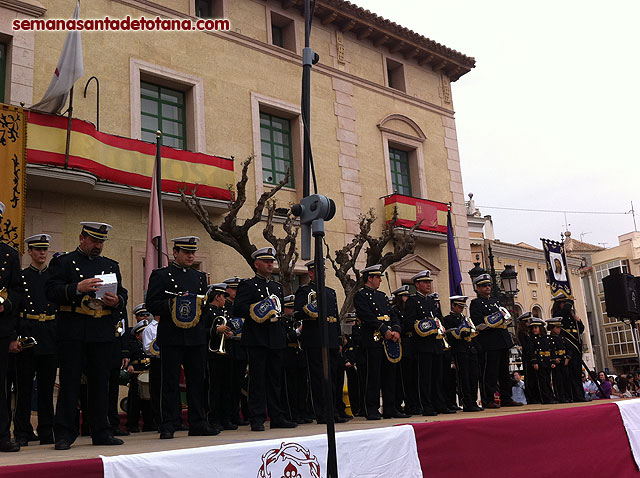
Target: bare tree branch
<point>286,252</point>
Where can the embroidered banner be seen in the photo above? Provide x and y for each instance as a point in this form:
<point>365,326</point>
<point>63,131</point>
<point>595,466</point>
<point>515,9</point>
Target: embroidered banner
<point>13,136</point>
<point>124,160</point>
<point>557,269</point>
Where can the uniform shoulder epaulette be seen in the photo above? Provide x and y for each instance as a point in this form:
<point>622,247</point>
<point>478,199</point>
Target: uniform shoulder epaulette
<point>112,260</point>
<point>10,246</point>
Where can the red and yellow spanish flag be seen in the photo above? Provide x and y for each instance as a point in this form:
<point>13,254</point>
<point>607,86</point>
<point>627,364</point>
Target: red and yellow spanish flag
<point>411,210</point>
<point>124,160</point>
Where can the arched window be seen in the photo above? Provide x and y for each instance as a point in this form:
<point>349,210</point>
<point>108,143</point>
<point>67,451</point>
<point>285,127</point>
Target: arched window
<point>536,311</point>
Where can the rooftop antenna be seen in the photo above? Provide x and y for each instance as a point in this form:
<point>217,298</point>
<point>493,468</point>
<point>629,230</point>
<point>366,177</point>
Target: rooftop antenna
<point>633,213</point>
<point>603,244</point>
<point>582,234</point>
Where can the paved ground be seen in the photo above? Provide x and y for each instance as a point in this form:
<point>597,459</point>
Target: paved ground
<point>149,442</point>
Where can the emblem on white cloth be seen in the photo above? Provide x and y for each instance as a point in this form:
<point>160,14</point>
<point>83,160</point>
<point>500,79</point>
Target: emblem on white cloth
<point>291,460</point>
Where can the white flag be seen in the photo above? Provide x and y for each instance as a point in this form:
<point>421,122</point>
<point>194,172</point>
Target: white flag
<point>70,68</point>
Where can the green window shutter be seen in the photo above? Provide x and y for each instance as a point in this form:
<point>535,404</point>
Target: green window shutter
<point>400,171</point>
<point>164,109</point>
<point>277,156</point>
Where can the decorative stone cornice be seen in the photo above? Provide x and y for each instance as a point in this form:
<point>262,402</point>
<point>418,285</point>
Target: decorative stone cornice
<point>396,38</point>
<point>32,8</point>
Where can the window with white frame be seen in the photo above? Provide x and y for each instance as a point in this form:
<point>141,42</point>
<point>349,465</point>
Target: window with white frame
<point>603,270</point>
<point>619,340</point>
<point>531,275</point>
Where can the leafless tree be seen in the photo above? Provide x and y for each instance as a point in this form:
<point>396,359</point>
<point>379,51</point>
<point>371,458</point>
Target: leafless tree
<point>344,262</point>
<point>285,247</point>
<point>230,231</point>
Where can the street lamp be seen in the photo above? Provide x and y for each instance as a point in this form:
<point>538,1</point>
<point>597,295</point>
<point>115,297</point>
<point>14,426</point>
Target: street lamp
<point>509,279</point>
<point>476,271</point>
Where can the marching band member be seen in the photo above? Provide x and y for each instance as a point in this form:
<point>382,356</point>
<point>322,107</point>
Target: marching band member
<point>219,362</point>
<point>379,324</point>
<point>36,320</point>
<point>258,302</point>
<point>119,361</point>
<point>85,333</point>
<point>294,390</point>
<point>465,347</point>
<point>407,385</point>
<point>423,312</point>
<point>237,350</point>
<point>495,341</point>
<point>572,329</point>
<point>152,350</point>
<point>306,309</point>
<point>560,359</point>
<point>541,361</point>
<point>176,294</point>
<point>138,365</point>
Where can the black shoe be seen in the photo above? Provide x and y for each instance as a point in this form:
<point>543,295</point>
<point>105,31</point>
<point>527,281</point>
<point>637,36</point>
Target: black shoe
<point>106,441</point>
<point>120,433</point>
<point>429,413</point>
<point>472,408</point>
<point>47,440</point>
<point>181,427</point>
<point>257,427</point>
<point>9,445</point>
<point>491,405</point>
<point>166,435</point>
<point>551,402</point>
<point>454,407</point>
<point>227,425</point>
<point>446,411</point>
<point>283,424</point>
<point>33,437</point>
<point>240,422</point>
<point>375,416</point>
<point>204,432</point>
<point>22,442</point>
<point>62,444</point>
<point>511,403</point>
<point>300,421</point>
<point>340,420</point>
<point>396,414</point>
<point>414,411</point>
<point>307,420</point>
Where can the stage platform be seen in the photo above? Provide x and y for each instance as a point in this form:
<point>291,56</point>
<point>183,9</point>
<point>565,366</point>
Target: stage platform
<point>587,436</point>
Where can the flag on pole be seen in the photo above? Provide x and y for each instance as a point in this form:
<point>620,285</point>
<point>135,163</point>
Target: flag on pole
<point>70,67</point>
<point>455,276</point>
<point>557,271</point>
<point>156,234</point>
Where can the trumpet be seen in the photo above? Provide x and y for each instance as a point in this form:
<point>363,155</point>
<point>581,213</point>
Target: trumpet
<point>221,349</point>
<point>441,333</point>
<point>4,293</point>
<point>27,342</point>
<point>311,297</point>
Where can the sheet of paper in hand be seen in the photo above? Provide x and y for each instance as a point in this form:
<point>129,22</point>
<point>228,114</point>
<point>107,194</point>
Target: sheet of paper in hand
<point>109,284</point>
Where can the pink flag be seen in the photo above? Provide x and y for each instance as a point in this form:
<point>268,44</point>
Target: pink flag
<point>155,232</point>
<point>70,67</point>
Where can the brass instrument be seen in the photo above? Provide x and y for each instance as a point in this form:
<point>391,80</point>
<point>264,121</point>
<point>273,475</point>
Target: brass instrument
<point>119,328</point>
<point>4,293</point>
<point>441,333</point>
<point>221,349</point>
<point>27,342</point>
<point>311,297</point>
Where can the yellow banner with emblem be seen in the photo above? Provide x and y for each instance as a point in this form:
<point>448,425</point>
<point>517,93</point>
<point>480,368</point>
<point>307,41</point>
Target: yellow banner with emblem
<point>13,142</point>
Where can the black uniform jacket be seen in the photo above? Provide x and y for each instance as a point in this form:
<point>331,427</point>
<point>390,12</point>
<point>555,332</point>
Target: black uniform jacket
<point>10,281</point>
<point>266,334</point>
<point>38,316</point>
<point>542,350</point>
<point>572,330</point>
<point>67,271</point>
<point>311,335</point>
<point>492,338</point>
<point>374,311</point>
<point>420,307</point>
<point>179,280</point>
<point>465,344</point>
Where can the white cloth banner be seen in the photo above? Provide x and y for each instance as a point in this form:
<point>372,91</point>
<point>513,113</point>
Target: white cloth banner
<point>377,453</point>
<point>630,412</point>
<point>70,67</point>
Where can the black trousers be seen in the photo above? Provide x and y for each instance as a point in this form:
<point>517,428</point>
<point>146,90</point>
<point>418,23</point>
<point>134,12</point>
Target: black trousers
<point>449,380</point>
<point>316,377</point>
<point>340,407</point>
<point>410,374</point>
<point>540,385</point>
<point>560,381</point>
<point>219,373</point>
<point>155,390</point>
<point>295,388</point>
<point>265,385</point>
<point>76,357</point>
<point>114,389</point>
<point>4,407</point>
<point>431,385</point>
<point>381,375</point>
<point>193,359</point>
<point>467,370</point>
<point>136,405</point>
<point>44,368</point>
<point>574,372</point>
<point>495,375</point>
<point>353,387</point>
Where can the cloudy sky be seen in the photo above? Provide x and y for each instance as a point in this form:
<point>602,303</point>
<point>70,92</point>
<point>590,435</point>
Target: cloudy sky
<point>548,119</point>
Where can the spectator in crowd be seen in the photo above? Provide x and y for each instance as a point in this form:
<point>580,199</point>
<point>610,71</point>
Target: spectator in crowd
<point>605,384</point>
<point>633,385</point>
<point>517,390</point>
<point>621,389</point>
<point>590,388</point>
